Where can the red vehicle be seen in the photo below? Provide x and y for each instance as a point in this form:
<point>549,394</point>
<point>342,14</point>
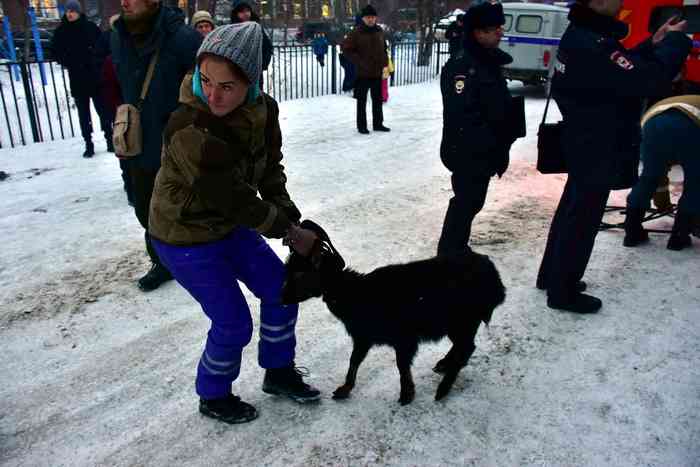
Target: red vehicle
<point>645,16</point>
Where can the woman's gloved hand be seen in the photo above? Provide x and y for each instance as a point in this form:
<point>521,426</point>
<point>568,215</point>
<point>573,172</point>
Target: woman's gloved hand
<point>300,240</point>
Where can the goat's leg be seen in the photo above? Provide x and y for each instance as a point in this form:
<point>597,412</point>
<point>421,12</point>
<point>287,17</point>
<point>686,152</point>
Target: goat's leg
<point>405,352</point>
<point>359,352</point>
<point>457,358</point>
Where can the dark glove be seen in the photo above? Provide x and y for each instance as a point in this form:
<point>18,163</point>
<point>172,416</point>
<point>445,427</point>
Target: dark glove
<point>292,213</point>
<point>279,226</point>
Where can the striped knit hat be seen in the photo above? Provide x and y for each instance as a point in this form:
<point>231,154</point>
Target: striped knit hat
<point>239,43</point>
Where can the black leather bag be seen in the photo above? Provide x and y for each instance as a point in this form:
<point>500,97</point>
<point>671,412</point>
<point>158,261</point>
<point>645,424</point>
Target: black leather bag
<point>550,154</point>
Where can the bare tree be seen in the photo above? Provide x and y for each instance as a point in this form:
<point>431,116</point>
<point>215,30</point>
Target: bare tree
<point>426,13</point>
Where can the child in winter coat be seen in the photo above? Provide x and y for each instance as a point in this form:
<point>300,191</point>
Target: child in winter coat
<point>220,187</point>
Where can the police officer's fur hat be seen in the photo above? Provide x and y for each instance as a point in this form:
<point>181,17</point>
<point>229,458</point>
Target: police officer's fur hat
<point>369,10</point>
<point>484,15</point>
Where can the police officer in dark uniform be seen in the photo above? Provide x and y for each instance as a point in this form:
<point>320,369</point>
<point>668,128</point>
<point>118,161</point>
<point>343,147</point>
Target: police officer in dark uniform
<point>480,122</point>
<point>599,87</point>
<point>455,35</point>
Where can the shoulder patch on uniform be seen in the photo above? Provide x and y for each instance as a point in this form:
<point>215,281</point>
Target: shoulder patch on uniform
<point>459,83</point>
<point>621,61</point>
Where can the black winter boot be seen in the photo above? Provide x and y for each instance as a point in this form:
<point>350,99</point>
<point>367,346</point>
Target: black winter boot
<point>230,409</point>
<point>578,303</point>
<point>110,143</point>
<point>89,149</point>
<point>634,232</point>
<point>288,381</point>
<point>381,128</point>
<point>680,234</point>
<point>154,278</point>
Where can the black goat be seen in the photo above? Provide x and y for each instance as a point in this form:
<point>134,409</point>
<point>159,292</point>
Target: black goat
<point>400,305</point>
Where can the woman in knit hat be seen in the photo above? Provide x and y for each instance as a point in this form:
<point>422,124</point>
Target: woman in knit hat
<point>221,188</point>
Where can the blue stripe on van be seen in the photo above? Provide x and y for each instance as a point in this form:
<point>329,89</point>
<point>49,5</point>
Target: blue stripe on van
<point>530,40</point>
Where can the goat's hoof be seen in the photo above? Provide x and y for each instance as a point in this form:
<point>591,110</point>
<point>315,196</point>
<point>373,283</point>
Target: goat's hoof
<point>441,393</point>
<point>441,367</point>
<point>343,392</point>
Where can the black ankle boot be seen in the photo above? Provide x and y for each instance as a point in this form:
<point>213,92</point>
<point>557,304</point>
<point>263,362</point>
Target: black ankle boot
<point>110,143</point>
<point>634,232</point>
<point>289,381</point>
<point>154,278</point>
<point>680,234</point>
<point>229,409</point>
<point>89,149</point>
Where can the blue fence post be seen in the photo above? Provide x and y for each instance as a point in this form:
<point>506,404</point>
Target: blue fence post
<point>11,46</point>
<point>37,45</point>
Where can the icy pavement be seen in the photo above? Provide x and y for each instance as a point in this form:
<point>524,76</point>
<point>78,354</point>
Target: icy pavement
<point>95,372</point>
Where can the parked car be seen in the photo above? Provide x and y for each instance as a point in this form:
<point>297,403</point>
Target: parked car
<point>531,35</point>
<point>444,23</point>
<point>644,17</point>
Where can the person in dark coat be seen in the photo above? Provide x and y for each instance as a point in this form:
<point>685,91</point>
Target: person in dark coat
<point>455,35</point>
<point>365,47</point>
<point>73,45</point>
<point>320,48</point>
<point>243,11</point>
<point>110,94</point>
<point>480,122</point>
<point>599,86</point>
<point>146,26</point>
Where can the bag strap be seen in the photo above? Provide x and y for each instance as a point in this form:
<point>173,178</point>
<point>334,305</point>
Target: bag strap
<point>149,78</point>
<point>546,106</point>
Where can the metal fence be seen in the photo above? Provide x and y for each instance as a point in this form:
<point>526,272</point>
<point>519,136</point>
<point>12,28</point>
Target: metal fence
<point>37,107</point>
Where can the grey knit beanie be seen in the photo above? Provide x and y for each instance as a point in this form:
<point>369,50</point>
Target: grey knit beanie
<point>239,43</point>
<point>73,5</point>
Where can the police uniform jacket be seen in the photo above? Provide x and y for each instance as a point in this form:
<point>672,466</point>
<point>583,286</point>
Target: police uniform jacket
<point>599,86</point>
<point>477,112</point>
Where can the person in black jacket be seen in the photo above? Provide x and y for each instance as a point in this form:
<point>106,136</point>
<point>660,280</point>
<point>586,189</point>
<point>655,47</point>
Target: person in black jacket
<point>242,11</point>
<point>73,45</point>
<point>144,27</point>
<point>599,86</point>
<point>455,35</point>
<point>480,122</point>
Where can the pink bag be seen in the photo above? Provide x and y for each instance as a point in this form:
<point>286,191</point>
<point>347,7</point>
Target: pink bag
<point>385,90</point>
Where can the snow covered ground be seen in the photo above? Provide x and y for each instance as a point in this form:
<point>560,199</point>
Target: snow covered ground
<point>95,372</point>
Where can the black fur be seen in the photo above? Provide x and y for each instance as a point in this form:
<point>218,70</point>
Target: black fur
<point>402,305</point>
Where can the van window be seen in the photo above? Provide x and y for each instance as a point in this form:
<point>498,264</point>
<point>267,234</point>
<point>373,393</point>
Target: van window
<point>662,14</point>
<point>509,23</point>
<point>529,24</point>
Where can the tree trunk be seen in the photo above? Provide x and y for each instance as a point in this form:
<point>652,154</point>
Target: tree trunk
<point>426,31</point>
<point>16,12</point>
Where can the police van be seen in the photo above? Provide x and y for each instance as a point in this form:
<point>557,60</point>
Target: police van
<point>531,36</point>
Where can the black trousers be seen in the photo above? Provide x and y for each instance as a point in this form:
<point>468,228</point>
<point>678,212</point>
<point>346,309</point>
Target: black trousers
<point>85,118</point>
<point>571,238</point>
<point>469,197</point>
<point>374,86</point>
<point>142,182</point>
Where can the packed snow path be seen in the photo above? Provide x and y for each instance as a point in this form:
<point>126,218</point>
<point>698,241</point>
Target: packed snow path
<point>94,372</point>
